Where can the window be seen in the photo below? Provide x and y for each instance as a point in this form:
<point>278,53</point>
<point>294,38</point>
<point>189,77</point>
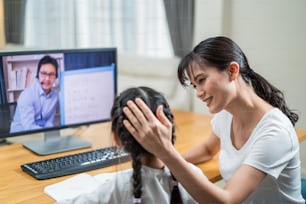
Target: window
<point>133,26</point>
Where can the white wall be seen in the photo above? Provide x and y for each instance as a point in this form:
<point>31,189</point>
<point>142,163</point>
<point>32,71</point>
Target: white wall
<point>273,36</point>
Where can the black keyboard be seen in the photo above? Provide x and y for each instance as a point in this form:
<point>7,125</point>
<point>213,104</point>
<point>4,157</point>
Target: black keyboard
<point>75,163</point>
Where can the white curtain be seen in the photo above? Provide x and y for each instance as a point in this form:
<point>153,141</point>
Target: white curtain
<point>133,26</point>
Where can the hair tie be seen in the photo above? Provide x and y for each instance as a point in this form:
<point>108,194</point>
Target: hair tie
<point>174,183</point>
<point>250,71</point>
<point>136,200</point>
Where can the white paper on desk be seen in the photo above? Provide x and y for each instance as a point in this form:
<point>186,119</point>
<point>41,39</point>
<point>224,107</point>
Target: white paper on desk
<point>77,185</point>
<point>104,177</point>
<point>72,187</point>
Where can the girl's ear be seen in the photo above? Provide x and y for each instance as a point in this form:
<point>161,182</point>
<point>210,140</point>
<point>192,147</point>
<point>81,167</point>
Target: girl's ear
<point>233,70</point>
<point>116,140</point>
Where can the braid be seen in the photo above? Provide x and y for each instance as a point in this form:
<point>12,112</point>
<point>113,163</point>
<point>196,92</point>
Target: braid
<point>153,99</point>
<point>137,181</point>
<point>176,197</point>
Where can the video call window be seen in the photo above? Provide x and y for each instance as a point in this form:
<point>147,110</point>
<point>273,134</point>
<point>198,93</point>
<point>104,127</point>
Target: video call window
<point>86,85</point>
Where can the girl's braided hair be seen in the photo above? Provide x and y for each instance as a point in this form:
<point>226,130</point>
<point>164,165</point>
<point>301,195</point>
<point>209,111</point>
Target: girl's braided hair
<point>153,99</point>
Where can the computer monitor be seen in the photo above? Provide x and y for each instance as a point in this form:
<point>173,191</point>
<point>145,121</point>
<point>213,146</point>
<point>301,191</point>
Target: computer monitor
<point>83,90</point>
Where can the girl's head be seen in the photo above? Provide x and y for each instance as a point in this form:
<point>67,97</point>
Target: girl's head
<point>219,55</point>
<point>153,99</point>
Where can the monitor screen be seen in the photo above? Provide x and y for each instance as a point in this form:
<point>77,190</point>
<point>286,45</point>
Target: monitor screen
<point>48,90</point>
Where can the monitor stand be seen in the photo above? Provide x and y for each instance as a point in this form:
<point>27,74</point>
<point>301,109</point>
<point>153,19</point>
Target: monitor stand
<point>54,143</point>
<point>4,142</point>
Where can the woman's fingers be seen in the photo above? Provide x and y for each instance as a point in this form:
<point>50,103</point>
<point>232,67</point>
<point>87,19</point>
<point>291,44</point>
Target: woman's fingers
<point>131,129</point>
<point>151,132</point>
<point>135,115</point>
<point>145,110</point>
<point>162,118</point>
<point>135,120</point>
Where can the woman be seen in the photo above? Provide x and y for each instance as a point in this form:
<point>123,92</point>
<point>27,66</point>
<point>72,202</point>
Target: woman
<point>252,128</point>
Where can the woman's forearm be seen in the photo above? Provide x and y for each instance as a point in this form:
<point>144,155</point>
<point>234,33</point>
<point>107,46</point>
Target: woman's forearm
<point>199,187</point>
<point>197,154</point>
<point>204,151</point>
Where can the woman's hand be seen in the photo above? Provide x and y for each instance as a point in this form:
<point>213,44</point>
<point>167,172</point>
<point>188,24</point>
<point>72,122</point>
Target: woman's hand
<point>153,133</point>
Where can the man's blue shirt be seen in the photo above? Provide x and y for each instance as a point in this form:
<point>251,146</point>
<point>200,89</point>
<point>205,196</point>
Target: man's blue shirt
<point>35,109</point>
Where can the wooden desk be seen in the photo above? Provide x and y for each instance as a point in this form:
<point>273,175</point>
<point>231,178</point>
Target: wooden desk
<point>17,186</point>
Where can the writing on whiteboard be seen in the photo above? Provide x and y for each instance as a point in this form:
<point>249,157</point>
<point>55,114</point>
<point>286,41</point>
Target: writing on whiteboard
<point>87,95</point>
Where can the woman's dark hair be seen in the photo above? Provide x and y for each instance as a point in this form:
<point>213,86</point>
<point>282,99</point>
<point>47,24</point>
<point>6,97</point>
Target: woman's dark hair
<point>219,52</point>
<point>153,99</point>
<point>47,60</point>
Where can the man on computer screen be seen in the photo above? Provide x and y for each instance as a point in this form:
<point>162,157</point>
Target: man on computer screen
<point>36,105</point>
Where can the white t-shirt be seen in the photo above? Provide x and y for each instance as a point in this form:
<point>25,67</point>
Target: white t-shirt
<point>273,148</point>
<point>156,188</point>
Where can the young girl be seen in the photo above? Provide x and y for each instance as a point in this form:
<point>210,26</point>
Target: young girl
<point>253,129</point>
<point>149,181</point>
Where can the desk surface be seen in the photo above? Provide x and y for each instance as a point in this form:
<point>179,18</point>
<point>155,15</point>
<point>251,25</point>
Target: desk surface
<point>17,186</point>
